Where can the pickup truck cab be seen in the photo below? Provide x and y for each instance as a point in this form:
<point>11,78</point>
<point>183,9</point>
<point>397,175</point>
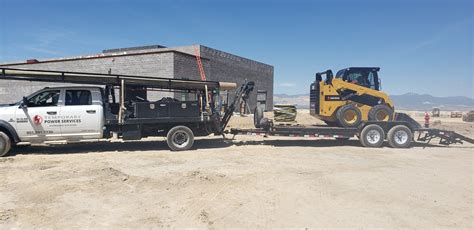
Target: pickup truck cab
<point>52,114</point>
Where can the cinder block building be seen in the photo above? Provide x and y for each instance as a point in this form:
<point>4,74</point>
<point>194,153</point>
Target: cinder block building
<point>154,61</point>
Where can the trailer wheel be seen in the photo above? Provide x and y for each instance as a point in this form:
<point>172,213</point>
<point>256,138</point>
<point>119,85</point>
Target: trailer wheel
<point>380,112</point>
<point>400,136</point>
<point>349,116</point>
<point>5,144</point>
<point>257,117</point>
<point>372,136</point>
<point>180,138</point>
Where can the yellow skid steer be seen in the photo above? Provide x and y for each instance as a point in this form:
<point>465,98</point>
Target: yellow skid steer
<point>349,98</point>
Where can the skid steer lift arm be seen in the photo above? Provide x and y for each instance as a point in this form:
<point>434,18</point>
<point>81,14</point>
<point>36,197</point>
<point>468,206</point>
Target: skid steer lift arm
<point>242,93</point>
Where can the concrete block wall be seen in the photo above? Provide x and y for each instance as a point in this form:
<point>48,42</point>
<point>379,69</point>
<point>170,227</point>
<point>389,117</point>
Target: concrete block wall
<point>177,62</point>
<point>228,67</point>
<point>223,66</point>
<point>186,67</point>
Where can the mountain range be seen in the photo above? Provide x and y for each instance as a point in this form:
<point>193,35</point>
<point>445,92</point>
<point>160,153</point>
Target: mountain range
<point>408,101</point>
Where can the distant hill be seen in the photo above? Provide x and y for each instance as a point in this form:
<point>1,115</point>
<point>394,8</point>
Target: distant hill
<point>413,101</point>
<point>301,101</point>
<point>408,101</point>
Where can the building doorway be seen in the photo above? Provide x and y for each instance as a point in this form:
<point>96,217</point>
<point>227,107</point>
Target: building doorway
<point>262,99</point>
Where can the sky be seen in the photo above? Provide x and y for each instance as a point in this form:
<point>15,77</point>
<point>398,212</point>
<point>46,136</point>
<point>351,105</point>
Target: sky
<point>421,46</point>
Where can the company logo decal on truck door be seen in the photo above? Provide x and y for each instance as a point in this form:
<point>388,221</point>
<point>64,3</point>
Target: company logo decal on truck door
<point>68,120</point>
<point>37,119</point>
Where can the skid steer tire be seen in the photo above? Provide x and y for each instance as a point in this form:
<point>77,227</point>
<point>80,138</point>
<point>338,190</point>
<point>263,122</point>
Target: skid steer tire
<point>381,113</point>
<point>5,144</point>
<point>372,136</point>
<point>180,138</point>
<point>349,116</point>
<point>400,136</point>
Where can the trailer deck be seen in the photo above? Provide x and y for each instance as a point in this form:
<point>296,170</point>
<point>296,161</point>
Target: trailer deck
<point>343,133</point>
<point>300,131</point>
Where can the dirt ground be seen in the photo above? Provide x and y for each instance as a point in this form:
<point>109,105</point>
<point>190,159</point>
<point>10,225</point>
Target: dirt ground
<point>249,182</point>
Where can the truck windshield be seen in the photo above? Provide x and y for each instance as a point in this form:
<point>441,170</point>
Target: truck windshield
<point>45,98</point>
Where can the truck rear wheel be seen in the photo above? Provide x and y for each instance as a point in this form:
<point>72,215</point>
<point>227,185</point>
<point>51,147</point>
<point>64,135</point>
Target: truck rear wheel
<point>380,113</point>
<point>400,136</point>
<point>349,116</point>
<point>180,138</point>
<point>5,144</point>
<point>372,136</point>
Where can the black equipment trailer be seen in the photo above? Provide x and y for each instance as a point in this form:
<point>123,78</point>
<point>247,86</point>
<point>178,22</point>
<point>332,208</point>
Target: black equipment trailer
<point>399,133</point>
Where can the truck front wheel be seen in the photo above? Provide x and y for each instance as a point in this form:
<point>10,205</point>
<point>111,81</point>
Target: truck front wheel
<point>180,138</point>
<point>5,144</point>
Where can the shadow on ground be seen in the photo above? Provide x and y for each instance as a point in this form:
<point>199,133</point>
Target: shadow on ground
<point>214,143</point>
<point>321,143</point>
<point>104,146</point>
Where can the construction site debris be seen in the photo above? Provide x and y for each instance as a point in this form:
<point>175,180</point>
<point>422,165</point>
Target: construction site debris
<point>456,114</point>
<point>469,116</point>
<point>284,113</point>
<point>436,112</point>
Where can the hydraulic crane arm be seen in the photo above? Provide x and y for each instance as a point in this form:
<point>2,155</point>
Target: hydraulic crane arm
<point>242,93</point>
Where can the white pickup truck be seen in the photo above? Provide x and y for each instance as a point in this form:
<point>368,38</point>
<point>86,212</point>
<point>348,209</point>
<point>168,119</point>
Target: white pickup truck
<point>51,114</point>
<point>85,113</point>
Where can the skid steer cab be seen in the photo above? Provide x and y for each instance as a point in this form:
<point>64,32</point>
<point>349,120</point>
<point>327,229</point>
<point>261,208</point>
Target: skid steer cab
<point>350,97</point>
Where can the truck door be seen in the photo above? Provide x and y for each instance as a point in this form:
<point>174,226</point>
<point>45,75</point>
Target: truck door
<point>37,120</point>
<point>82,114</point>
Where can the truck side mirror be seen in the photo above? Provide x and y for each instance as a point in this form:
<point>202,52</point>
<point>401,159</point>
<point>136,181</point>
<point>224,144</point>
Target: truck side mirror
<point>24,102</point>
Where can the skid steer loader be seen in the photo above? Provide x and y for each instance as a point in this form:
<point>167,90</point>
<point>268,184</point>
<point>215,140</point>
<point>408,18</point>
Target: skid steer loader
<point>349,98</point>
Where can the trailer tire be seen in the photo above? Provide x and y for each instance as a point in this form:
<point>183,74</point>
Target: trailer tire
<point>257,117</point>
<point>180,138</point>
<point>349,116</point>
<point>400,136</point>
<point>5,144</point>
<point>372,136</point>
<point>380,112</point>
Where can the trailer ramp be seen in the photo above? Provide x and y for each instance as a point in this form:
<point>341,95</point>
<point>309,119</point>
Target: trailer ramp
<point>446,137</point>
